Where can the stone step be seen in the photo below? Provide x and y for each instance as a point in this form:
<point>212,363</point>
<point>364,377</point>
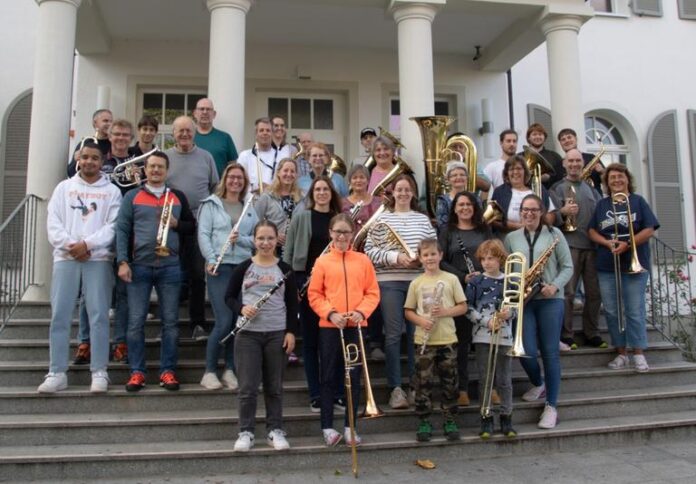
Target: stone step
<point>190,370</point>
<point>77,399</point>
<point>196,425</point>
<point>196,458</point>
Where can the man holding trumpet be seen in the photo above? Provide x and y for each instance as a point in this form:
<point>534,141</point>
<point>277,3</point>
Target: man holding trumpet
<point>149,227</point>
<point>579,201</point>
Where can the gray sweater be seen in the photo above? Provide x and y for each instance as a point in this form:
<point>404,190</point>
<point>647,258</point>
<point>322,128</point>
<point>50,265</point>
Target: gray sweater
<point>194,173</point>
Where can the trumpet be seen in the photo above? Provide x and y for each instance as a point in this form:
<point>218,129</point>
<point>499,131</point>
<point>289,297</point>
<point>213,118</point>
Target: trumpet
<point>436,301</point>
<point>383,235</point>
<point>235,228</point>
<point>539,166</point>
<point>571,223</point>
<point>161,248</point>
<point>513,299</point>
<point>130,173</point>
<point>493,213</point>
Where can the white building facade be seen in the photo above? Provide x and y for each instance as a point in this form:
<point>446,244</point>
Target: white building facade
<point>333,67</point>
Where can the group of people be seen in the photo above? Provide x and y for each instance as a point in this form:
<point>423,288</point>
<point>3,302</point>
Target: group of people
<point>271,233</point>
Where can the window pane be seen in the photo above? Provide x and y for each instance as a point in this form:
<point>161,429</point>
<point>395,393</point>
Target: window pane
<point>601,5</point>
<point>278,106</point>
<point>192,101</point>
<point>173,107</point>
<point>395,107</point>
<point>323,114</point>
<point>152,105</point>
<point>168,142</point>
<point>300,117</point>
<point>441,108</point>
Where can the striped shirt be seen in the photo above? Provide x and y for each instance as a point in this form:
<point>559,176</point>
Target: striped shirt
<point>412,227</point>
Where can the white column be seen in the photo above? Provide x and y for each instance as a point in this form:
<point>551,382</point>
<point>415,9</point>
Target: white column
<point>561,33</point>
<point>103,97</point>
<point>50,120</point>
<point>416,90</point>
<point>226,69</point>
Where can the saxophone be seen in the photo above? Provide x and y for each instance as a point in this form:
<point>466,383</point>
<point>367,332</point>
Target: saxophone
<point>437,301</point>
<point>532,278</point>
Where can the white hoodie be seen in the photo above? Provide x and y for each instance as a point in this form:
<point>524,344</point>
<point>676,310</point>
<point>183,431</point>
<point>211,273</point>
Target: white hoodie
<point>82,211</point>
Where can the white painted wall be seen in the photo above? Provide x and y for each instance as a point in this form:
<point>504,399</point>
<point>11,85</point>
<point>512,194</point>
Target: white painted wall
<point>17,53</point>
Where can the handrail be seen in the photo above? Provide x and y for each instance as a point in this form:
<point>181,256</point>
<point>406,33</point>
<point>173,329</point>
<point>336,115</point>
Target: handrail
<point>671,307</point>
<point>17,256</point>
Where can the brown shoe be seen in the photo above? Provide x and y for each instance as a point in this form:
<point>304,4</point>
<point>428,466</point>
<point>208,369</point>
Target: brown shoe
<point>82,355</point>
<point>495,398</point>
<point>463,400</point>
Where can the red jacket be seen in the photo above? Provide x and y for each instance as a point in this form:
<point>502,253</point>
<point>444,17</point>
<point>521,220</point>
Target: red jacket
<point>343,281</point>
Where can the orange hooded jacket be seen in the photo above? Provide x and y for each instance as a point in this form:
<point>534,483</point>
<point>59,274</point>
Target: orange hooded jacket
<point>342,282</point>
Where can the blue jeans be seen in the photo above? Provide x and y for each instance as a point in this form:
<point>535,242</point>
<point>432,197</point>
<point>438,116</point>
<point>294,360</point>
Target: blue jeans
<point>224,319</point>
<point>97,279</point>
<point>541,330</point>
<point>120,302</point>
<point>393,297</point>
<point>167,282</point>
<point>633,289</point>
<point>309,323</point>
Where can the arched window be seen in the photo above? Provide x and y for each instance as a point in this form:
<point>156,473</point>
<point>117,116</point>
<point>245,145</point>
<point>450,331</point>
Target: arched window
<point>598,131</point>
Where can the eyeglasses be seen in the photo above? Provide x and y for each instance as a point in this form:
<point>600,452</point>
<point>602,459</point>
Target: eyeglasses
<point>204,109</point>
<point>234,177</point>
<point>342,233</point>
<point>530,210</point>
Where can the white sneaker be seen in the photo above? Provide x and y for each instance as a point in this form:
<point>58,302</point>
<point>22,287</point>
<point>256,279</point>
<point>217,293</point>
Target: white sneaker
<point>100,381</point>
<point>276,439</point>
<point>398,399</point>
<point>210,381</point>
<point>331,437</point>
<point>112,313</point>
<point>534,393</point>
<point>229,380</point>
<point>198,333</point>
<point>549,418</point>
<point>150,316</point>
<point>54,382</point>
<point>563,346</point>
<point>618,363</point>
<point>349,441</point>
<point>245,441</point>
<point>640,363</point>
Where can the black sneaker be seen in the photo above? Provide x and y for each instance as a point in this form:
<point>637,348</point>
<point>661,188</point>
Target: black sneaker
<point>597,342</point>
<point>340,404</point>
<point>486,427</point>
<point>315,406</point>
<point>425,431</point>
<point>506,426</point>
<point>451,430</point>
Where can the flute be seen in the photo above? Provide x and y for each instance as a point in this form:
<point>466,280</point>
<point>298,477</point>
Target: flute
<point>227,243</point>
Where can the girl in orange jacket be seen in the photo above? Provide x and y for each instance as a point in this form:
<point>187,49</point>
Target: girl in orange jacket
<point>343,292</point>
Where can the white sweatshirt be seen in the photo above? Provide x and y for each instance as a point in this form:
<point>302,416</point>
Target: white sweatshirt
<point>82,211</point>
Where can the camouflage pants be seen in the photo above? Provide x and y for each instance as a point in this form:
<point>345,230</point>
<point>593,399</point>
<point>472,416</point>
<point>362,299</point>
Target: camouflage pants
<point>440,359</point>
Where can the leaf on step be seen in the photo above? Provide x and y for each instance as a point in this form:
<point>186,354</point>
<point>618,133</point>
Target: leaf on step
<point>425,464</point>
<point>337,472</point>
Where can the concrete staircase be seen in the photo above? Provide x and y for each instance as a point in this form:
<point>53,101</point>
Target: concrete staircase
<point>77,435</point>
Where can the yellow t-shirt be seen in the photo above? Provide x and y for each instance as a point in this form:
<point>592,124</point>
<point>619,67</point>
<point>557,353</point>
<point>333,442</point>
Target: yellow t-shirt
<point>420,297</point>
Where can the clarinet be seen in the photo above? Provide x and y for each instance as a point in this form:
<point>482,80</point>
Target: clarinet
<point>243,321</point>
<point>467,257</point>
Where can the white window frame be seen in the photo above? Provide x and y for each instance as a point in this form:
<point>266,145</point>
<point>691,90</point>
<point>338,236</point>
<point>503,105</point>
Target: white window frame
<point>164,134</point>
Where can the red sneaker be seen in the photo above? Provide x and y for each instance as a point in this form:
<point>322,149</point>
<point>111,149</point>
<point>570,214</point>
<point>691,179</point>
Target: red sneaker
<point>120,354</point>
<point>136,382</point>
<point>168,380</point>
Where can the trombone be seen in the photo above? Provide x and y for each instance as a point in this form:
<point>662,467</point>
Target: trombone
<point>635,266</point>
<point>513,300</point>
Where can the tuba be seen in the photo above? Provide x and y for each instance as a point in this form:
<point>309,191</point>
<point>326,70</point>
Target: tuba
<point>538,165</point>
<point>470,158</point>
<point>433,131</point>
<point>337,165</point>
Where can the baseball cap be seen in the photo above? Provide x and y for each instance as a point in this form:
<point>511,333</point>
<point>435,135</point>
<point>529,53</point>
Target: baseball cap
<point>365,131</point>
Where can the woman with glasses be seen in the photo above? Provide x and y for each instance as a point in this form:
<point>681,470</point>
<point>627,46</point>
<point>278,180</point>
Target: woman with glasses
<point>216,217</point>
<point>307,238</point>
<point>543,313</point>
<point>395,271</point>
<point>509,195</point>
<point>319,160</point>
<point>343,292</point>
<point>458,177</point>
